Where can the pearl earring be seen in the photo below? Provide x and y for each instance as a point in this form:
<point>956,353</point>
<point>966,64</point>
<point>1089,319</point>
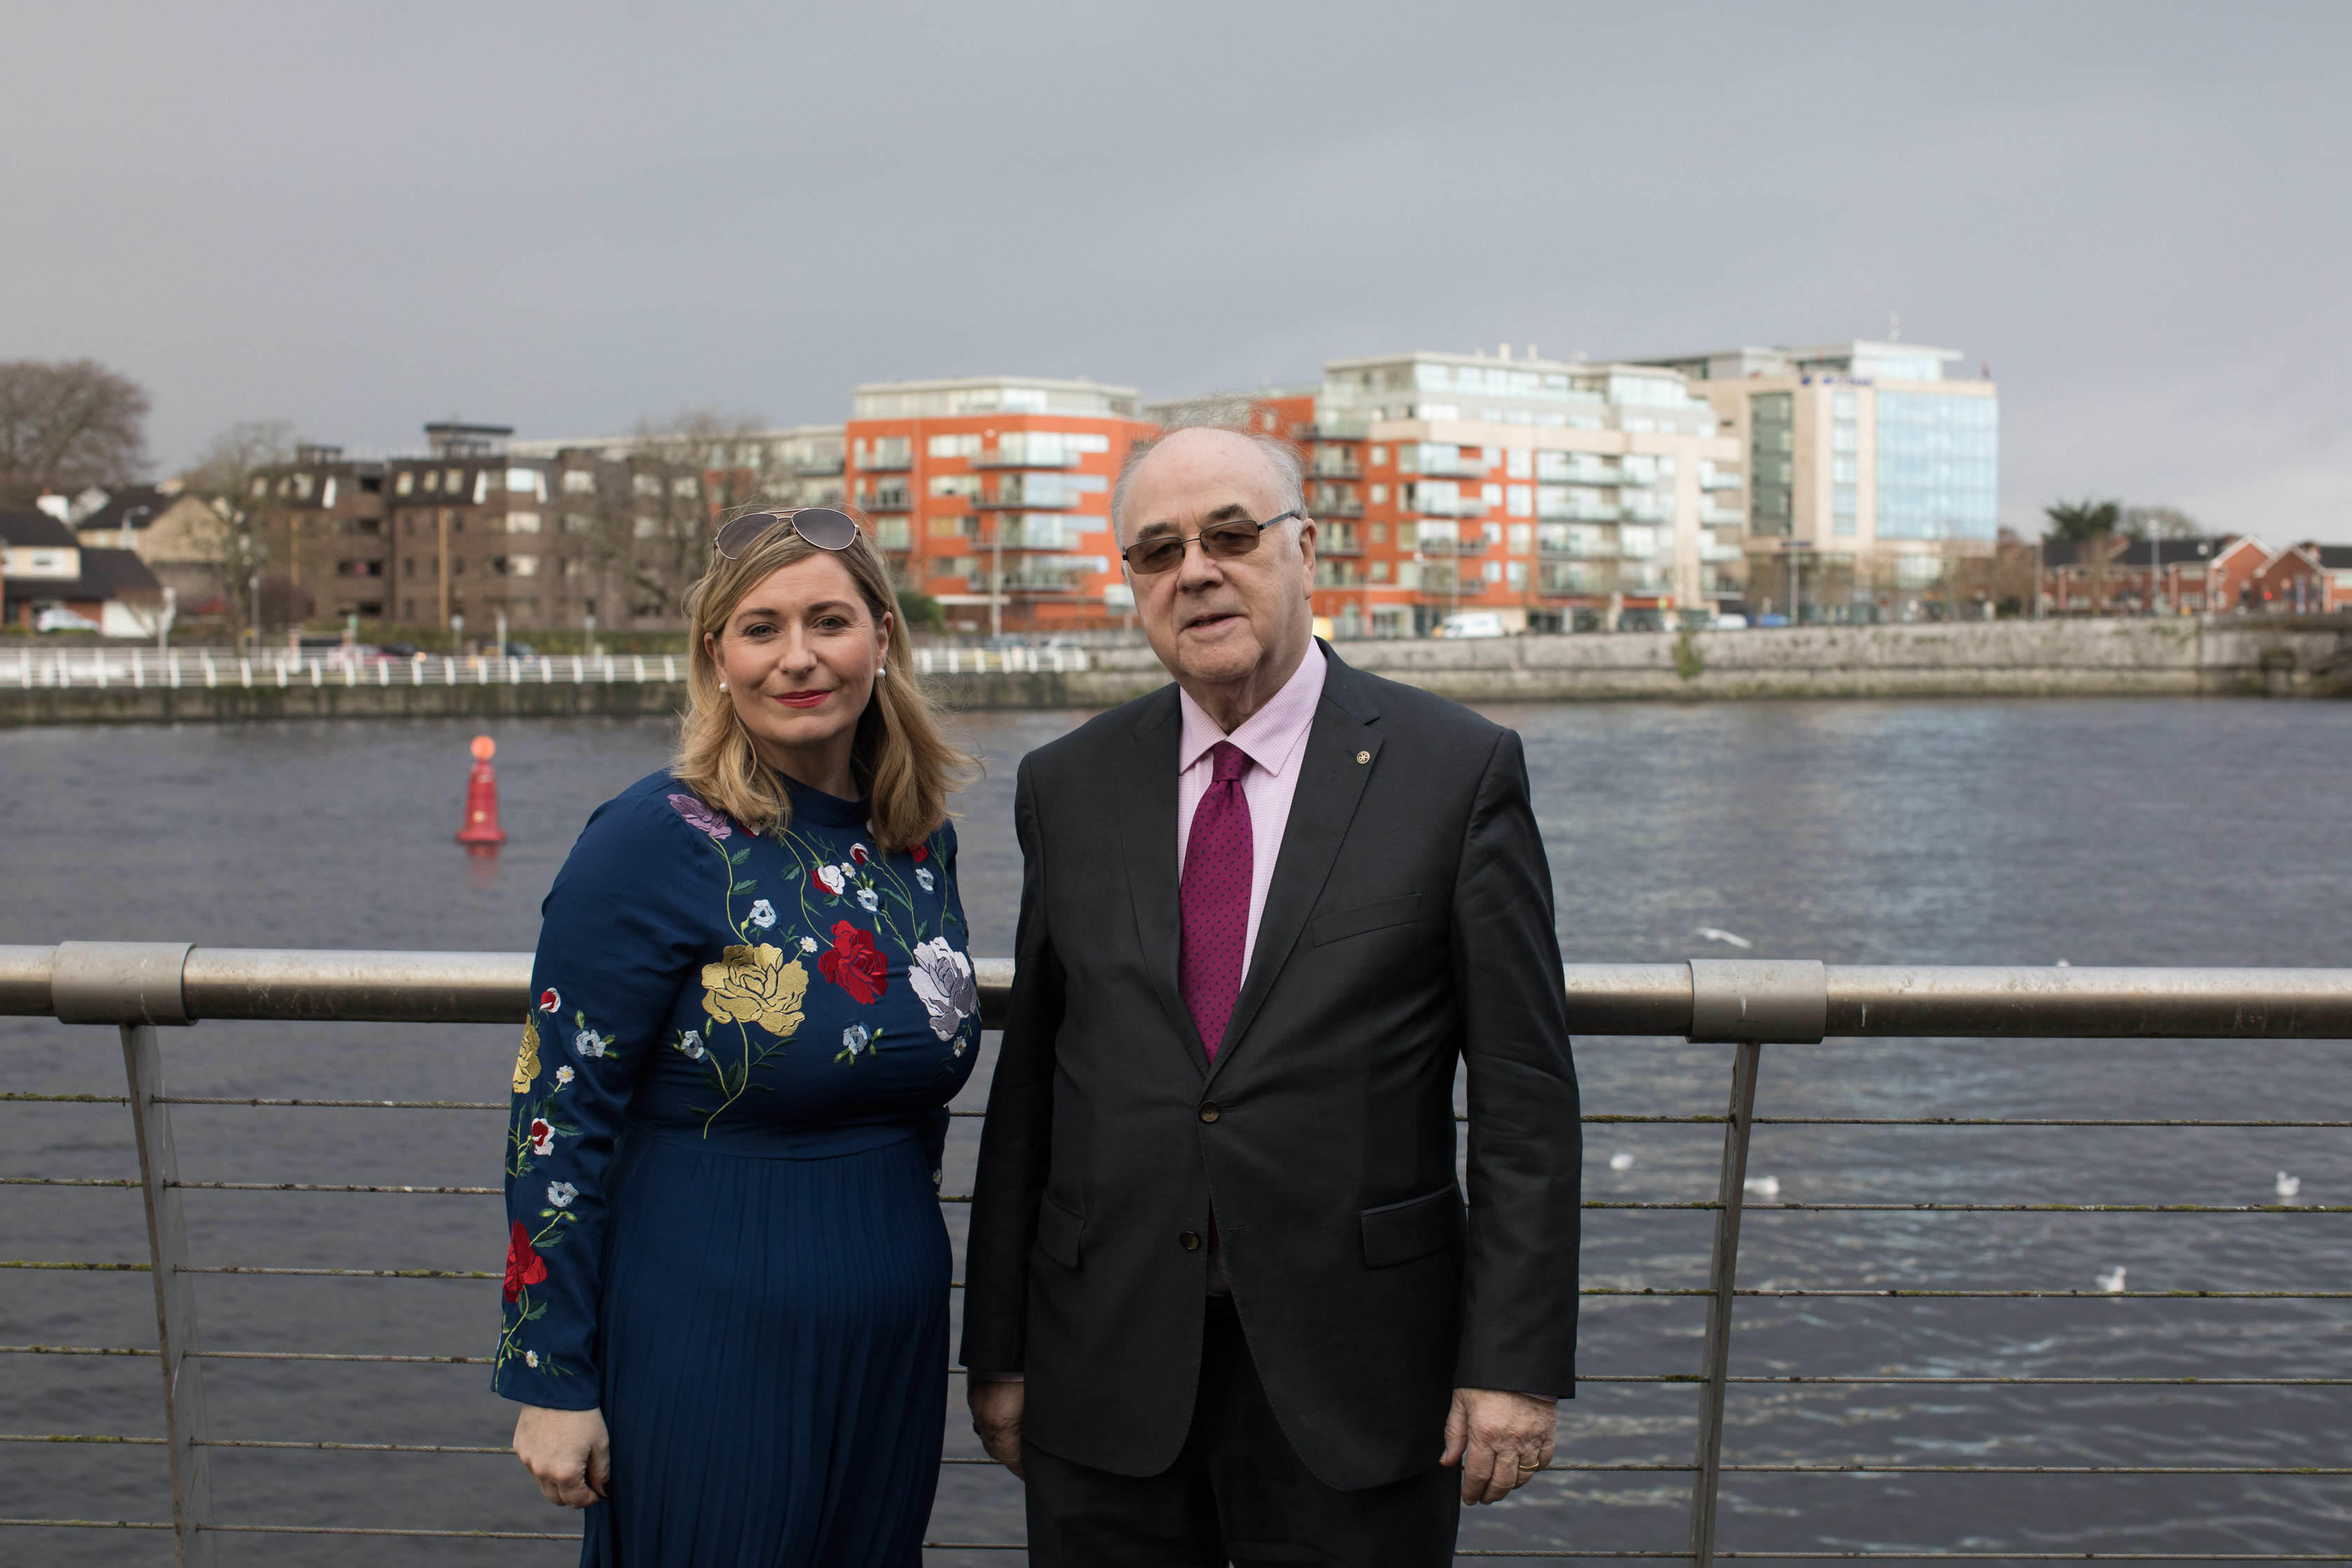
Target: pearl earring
<point>881,671</point>
<point>722,686</point>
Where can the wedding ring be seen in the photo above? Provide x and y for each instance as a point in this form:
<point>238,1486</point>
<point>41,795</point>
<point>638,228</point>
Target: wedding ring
<point>1537,1466</point>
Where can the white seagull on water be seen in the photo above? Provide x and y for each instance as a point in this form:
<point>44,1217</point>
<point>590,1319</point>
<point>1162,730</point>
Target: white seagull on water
<point>2287,1186</point>
<point>1762,1186</point>
<point>2112,1281</point>
<point>1717,933</point>
<point>1622,1161</point>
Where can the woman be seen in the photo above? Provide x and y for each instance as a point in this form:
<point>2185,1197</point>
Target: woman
<point>727,1274</point>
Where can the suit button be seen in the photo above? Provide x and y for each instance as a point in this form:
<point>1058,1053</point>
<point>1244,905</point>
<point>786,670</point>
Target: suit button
<point>1189,1240</point>
<point>1210,1112</point>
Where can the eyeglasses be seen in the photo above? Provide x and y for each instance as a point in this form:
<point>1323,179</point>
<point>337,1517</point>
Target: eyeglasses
<point>1220,542</point>
<point>820,525</point>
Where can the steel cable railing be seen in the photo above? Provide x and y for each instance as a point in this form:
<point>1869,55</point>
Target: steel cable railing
<point>138,987</point>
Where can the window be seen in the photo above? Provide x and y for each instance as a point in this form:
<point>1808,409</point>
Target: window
<point>953,445</point>
<point>576,522</point>
<point>1380,495</point>
<point>1379,570</point>
<point>646,484</point>
<point>1379,533</point>
<point>1522,538</point>
<point>403,482</point>
<point>1490,495</point>
<point>523,565</point>
<point>523,523</point>
<point>1843,439</point>
<point>1844,470</point>
<point>1917,571</point>
<point>686,485</point>
<point>644,527</point>
<point>890,533</point>
<point>302,486</point>
<point>574,567</point>
<point>951,527</point>
<point>1637,542</point>
<point>455,479</point>
<point>1938,466</point>
<point>1380,455</point>
<point>1518,578</point>
<point>1491,534</point>
<point>1492,572</point>
<point>260,486</point>
<point>525,480</point>
<point>580,481</point>
<point>432,480</point>
<point>955,484</point>
<point>1842,404</point>
<point>1522,501</point>
<point>1519,463</point>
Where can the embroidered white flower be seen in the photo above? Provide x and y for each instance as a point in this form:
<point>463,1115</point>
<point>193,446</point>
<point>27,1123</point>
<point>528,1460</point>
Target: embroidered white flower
<point>854,1038</point>
<point>562,1075</point>
<point>942,978</point>
<point>542,1137</point>
<point>869,900</point>
<point>689,1046</point>
<point>589,1043</point>
<point>530,1359</point>
<point>923,875</point>
<point>830,878</point>
<point>763,914</point>
<point>808,944</point>
<point>560,1193</point>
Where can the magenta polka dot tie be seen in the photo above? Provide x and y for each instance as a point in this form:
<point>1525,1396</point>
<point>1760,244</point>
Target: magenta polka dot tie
<point>1215,898</point>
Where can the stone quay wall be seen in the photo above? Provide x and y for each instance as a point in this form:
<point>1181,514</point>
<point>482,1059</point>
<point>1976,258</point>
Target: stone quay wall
<point>2183,658</point>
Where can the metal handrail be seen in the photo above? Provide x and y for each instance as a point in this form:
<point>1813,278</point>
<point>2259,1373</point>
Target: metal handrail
<point>141,986</point>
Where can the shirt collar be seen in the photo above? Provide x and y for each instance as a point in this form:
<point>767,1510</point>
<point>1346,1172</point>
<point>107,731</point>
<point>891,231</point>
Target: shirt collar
<point>1271,736</point>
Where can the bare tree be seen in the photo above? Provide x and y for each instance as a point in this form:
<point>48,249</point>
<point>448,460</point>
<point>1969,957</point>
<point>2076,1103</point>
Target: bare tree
<point>230,478</point>
<point>67,424</point>
<point>2159,522</point>
<point>660,495</point>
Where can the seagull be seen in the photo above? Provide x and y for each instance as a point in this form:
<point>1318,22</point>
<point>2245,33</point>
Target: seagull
<point>1762,1186</point>
<point>1621,1161</point>
<point>2112,1281</point>
<point>2062,964</point>
<point>2287,1186</point>
<point>1717,933</point>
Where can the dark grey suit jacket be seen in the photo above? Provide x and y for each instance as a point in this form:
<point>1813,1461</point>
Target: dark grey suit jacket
<point>1409,922</point>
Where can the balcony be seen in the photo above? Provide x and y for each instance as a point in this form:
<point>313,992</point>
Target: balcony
<point>1000,458</point>
<point>883,500</point>
<point>1455,468</point>
<point>818,468</point>
<point>1594,473</point>
<point>1335,428</point>
<point>1338,506</point>
<point>1335,465</point>
<point>1713,516</point>
<point>1047,535</point>
<point>883,463</point>
<point>1339,539</point>
<point>1720,482</point>
<point>1013,496</point>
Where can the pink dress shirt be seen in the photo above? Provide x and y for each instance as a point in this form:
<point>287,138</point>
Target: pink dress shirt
<point>1275,738</point>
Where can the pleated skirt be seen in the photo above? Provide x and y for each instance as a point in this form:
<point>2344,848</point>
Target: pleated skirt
<point>774,1353</point>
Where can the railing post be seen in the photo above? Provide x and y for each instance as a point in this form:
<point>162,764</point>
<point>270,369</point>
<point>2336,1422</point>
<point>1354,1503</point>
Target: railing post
<point>175,1301</point>
<point>1746,1002</point>
<point>1723,1261</point>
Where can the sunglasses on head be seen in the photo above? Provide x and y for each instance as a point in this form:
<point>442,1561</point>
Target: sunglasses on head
<point>820,525</point>
<point>1226,541</point>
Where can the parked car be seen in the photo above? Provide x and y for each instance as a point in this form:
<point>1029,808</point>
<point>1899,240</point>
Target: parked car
<point>58,619</point>
<point>397,650</point>
<point>1731,623</point>
<point>521,650</point>
<point>1471,624</point>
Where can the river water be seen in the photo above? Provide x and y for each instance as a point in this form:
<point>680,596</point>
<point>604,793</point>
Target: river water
<point>2128,832</point>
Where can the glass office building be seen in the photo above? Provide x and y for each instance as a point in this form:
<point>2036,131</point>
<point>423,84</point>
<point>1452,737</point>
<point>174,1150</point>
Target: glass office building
<point>1938,466</point>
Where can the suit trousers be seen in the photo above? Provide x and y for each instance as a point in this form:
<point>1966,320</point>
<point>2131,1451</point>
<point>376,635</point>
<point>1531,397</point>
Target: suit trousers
<point>1236,1493</point>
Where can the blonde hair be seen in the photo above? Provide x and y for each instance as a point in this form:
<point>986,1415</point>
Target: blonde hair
<point>900,759</point>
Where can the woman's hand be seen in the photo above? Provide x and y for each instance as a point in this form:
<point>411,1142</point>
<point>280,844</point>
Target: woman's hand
<point>567,1452</point>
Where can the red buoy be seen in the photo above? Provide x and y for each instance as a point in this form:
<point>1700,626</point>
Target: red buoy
<point>481,824</point>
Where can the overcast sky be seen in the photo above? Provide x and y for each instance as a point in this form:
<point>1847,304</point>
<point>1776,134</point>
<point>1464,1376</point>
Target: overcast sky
<point>570,216</point>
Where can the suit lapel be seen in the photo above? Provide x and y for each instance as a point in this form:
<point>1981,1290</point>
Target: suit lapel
<point>1149,833</point>
<point>1331,782</point>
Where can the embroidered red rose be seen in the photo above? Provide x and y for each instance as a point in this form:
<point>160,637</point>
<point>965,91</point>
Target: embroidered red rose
<point>853,965</point>
<point>548,1001</point>
<point>921,852</point>
<point>543,1136</point>
<point>524,1265</point>
<point>857,853</point>
<point>828,879</point>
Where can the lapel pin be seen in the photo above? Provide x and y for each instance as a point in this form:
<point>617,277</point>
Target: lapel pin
<point>1363,756</point>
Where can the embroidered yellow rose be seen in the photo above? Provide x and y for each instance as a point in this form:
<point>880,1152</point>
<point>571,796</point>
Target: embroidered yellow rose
<point>526,1060</point>
<point>755,985</point>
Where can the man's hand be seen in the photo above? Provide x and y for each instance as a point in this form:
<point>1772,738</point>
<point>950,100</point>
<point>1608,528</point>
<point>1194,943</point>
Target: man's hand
<point>1499,1439</point>
<point>996,1417</point>
<point>567,1452</point>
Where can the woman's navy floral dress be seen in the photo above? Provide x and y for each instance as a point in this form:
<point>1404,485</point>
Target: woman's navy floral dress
<point>722,1175</point>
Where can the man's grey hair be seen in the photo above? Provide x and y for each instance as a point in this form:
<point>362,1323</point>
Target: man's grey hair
<point>1236,415</point>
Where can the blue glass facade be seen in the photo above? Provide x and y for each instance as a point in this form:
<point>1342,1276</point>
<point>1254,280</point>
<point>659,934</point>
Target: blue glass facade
<point>1938,466</point>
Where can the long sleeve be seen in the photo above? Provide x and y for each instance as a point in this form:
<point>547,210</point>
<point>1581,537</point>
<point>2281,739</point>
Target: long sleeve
<point>1526,1165</point>
<point>618,940</point>
<point>1016,1144</point>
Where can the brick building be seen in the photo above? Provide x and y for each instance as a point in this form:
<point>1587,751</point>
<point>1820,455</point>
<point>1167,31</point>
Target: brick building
<point>2306,579</point>
<point>2117,575</point>
<point>991,494</point>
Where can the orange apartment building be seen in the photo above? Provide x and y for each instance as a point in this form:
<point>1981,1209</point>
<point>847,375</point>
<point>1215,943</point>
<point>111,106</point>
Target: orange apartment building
<point>991,494</point>
<point>1555,494</point>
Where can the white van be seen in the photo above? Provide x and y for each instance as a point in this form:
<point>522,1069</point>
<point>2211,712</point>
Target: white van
<point>1471,624</point>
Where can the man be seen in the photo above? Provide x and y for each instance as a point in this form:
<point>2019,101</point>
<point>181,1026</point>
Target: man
<point>1224,1300</point>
